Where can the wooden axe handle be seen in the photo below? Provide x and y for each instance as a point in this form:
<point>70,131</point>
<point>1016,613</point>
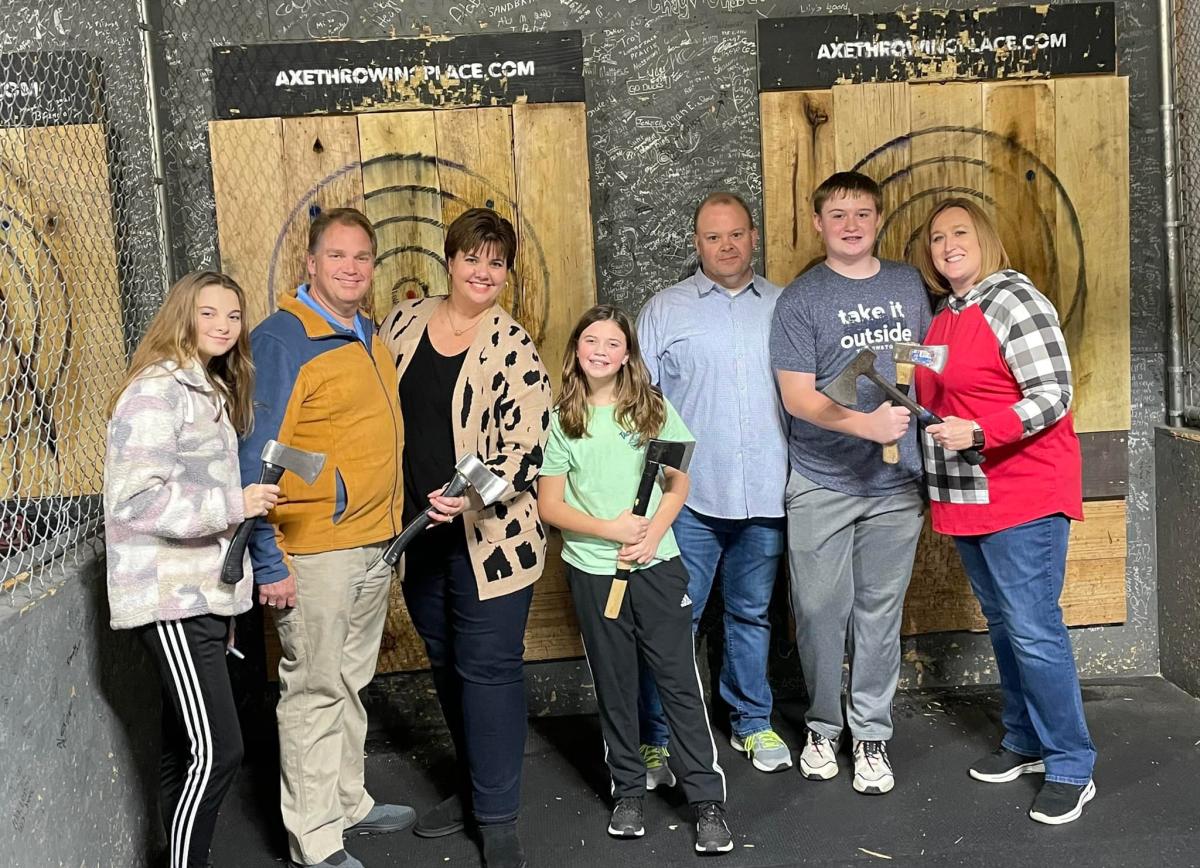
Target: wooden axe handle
<point>891,451</point>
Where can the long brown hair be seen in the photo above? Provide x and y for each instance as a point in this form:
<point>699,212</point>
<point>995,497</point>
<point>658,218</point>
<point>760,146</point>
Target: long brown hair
<point>171,337</point>
<point>639,406</point>
<point>993,257</point>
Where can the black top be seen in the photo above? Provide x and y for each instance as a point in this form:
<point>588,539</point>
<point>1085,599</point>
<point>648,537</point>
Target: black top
<point>426,396</point>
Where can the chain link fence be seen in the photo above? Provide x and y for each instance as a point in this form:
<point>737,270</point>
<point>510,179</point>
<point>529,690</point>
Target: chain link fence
<point>1187,101</point>
<point>78,269</point>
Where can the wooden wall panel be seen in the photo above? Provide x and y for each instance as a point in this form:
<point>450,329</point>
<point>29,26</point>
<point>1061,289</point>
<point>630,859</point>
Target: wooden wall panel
<point>556,260</point>
<point>1092,140</point>
<point>250,187</point>
<point>81,331</point>
<point>1019,188</point>
<point>28,467</point>
<point>476,150</point>
<point>321,154</point>
<point>403,197</point>
<point>939,597</point>
<point>798,153</point>
<point>856,138</point>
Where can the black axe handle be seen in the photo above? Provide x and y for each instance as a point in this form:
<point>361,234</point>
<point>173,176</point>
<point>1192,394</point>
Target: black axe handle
<point>231,568</point>
<point>925,417</point>
<point>616,592</point>
<point>455,488</point>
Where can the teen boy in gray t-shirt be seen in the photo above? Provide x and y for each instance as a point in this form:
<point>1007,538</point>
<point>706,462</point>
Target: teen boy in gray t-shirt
<point>853,520</point>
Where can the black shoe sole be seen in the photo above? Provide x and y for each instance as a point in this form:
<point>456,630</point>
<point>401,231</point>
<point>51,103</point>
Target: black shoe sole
<point>439,831</point>
<point>355,832</point>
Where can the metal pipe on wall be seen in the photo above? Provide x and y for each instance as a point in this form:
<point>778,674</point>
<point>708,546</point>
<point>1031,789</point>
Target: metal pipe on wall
<point>1175,398</point>
<point>158,163</point>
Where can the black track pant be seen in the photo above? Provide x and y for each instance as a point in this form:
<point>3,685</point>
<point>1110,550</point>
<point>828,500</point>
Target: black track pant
<point>201,740</point>
<point>656,618</point>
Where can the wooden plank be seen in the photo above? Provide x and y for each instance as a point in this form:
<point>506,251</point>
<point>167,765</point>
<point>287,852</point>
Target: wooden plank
<point>475,147</point>
<point>552,632</point>
<point>1105,464</point>
<point>870,117</point>
<point>401,649</point>
<point>402,196</point>
<point>250,189</point>
<point>944,163</point>
<point>322,159</point>
<point>940,598</point>
<point>1019,186</point>
<point>556,267</point>
<point>797,154</point>
<point>81,328</point>
<point>28,467</point>
<point>1092,143</point>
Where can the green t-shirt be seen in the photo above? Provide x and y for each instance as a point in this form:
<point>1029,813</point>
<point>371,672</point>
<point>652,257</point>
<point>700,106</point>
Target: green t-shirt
<point>603,471</point>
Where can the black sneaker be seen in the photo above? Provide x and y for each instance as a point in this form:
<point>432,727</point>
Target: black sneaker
<point>626,819</point>
<point>1003,765</point>
<point>1058,803</point>
<point>712,833</point>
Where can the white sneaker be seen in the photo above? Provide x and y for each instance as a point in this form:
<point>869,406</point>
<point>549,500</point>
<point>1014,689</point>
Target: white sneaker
<point>872,769</point>
<point>818,760</point>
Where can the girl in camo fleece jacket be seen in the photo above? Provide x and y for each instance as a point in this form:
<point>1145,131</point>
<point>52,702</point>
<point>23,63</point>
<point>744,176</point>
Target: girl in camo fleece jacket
<point>172,502</point>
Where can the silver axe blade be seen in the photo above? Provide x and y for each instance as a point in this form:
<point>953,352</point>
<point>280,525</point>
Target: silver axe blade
<point>932,356</point>
<point>487,485</point>
<point>306,465</point>
<point>676,454</point>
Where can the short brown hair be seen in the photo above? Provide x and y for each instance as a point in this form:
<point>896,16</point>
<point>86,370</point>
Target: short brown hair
<point>345,217</point>
<point>478,228</point>
<point>721,197</point>
<point>847,184</point>
<point>993,256</point>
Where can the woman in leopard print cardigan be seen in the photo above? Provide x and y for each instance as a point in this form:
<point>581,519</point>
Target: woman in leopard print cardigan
<point>471,381</point>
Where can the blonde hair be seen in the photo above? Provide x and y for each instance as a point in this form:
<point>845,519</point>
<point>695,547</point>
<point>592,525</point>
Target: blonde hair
<point>171,337</point>
<point>640,408</point>
<point>993,256</point>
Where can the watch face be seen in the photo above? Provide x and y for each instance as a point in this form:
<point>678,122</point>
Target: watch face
<point>977,438</point>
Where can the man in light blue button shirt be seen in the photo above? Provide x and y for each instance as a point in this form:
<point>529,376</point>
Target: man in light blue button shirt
<point>706,343</point>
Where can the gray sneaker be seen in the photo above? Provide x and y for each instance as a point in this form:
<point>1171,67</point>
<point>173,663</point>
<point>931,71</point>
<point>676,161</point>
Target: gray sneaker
<point>765,749</point>
<point>658,773</point>
<point>872,769</point>
<point>818,760</point>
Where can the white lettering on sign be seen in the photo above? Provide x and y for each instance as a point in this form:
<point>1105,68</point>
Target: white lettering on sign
<point>999,44</point>
<point>379,74</point>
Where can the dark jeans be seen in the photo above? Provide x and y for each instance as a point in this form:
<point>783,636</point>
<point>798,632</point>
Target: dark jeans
<point>748,551</point>
<point>475,648</point>
<point>1017,574</point>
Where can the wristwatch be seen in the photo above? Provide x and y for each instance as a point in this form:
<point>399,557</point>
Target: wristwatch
<point>977,437</point>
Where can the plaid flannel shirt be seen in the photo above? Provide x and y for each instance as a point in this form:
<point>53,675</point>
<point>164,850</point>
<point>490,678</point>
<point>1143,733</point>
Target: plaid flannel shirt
<point>1026,326</point>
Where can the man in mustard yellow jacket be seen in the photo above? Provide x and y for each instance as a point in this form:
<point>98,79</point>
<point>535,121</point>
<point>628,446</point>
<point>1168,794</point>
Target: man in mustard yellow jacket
<point>325,383</point>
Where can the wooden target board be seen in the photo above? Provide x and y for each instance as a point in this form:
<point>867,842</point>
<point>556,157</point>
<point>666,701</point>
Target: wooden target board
<point>61,337</point>
<point>413,173</point>
<point>1050,160</point>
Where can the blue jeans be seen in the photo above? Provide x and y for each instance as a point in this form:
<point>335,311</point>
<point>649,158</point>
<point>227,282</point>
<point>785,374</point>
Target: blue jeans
<point>1017,574</point>
<point>748,552</point>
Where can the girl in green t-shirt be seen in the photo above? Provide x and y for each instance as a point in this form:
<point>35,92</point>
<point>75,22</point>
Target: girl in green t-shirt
<point>605,415</point>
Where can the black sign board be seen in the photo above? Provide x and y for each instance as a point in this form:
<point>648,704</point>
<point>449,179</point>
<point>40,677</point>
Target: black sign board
<point>937,44</point>
<point>50,88</point>
<point>341,77</point>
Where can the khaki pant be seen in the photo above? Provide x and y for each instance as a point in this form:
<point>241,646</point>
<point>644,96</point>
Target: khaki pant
<point>330,644</point>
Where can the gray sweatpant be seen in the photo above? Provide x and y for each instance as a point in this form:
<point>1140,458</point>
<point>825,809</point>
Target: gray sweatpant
<point>850,560</point>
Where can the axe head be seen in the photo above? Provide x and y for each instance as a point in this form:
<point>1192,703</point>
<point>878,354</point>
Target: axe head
<point>306,465</point>
<point>932,356</point>
<point>843,388</point>
<point>487,485</point>
<point>676,454</point>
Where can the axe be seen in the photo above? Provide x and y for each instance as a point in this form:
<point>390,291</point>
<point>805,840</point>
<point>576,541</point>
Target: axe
<point>676,454</point>
<point>843,389</point>
<point>276,458</point>
<point>906,356</point>
<point>469,472</point>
